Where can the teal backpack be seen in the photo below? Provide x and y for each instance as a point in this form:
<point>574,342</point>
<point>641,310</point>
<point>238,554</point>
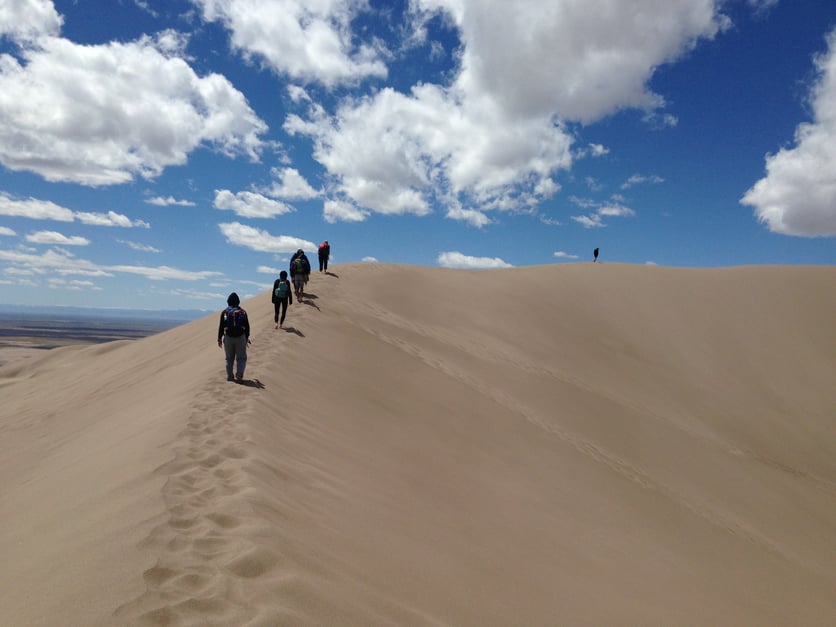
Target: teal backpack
<point>283,289</point>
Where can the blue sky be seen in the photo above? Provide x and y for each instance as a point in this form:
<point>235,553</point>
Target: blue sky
<point>158,155</point>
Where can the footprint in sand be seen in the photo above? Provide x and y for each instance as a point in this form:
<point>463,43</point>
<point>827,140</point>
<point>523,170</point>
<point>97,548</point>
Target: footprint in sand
<point>234,452</point>
<point>226,473</point>
<point>192,582</point>
<point>182,523</point>
<point>225,521</point>
<point>211,547</point>
<point>253,563</point>
<point>158,575</point>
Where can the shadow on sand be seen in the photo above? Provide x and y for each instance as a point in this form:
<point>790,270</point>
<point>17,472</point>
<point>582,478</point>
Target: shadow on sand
<point>307,299</point>
<point>252,383</point>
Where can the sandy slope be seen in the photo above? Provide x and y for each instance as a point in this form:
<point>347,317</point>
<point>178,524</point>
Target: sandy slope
<point>574,444</point>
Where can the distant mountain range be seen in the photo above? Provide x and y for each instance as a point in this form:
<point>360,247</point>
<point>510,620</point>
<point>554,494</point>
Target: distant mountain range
<point>174,315</point>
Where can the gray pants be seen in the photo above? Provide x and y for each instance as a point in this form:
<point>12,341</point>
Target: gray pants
<point>235,348</point>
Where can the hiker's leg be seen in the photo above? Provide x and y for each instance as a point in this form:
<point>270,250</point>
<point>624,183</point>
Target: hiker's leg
<point>229,351</point>
<point>284,310</point>
<point>241,354</point>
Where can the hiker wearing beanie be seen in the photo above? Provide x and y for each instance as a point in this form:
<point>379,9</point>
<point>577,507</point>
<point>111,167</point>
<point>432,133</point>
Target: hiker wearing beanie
<point>234,336</point>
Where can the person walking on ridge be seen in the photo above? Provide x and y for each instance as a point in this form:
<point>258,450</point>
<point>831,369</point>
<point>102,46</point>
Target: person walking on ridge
<point>595,256</point>
<point>234,336</point>
<point>300,268</point>
<point>282,296</point>
<point>324,254</point>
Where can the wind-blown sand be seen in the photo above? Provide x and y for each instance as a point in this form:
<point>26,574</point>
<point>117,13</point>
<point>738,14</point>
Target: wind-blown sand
<point>571,444</point>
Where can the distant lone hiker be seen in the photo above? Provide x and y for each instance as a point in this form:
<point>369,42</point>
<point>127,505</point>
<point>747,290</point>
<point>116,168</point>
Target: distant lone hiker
<point>282,296</point>
<point>595,256</point>
<point>324,253</point>
<point>234,336</point>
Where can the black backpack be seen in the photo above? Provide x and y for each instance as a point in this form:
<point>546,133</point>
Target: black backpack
<point>235,321</point>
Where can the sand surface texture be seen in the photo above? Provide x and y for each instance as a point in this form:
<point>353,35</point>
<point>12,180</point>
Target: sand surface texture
<point>575,444</point>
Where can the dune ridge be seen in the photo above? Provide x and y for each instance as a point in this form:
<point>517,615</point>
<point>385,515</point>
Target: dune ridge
<point>583,444</point>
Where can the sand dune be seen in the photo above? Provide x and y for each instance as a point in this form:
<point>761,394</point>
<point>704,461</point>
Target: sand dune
<point>575,444</point>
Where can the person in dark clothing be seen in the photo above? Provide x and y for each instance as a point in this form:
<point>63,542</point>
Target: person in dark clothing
<point>324,254</point>
<point>234,336</point>
<point>282,296</point>
<point>299,272</point>
<point>595,256</point>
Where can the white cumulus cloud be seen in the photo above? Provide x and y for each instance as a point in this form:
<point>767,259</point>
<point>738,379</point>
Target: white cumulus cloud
<point>395,154</point>
<point>169,201</point>
<point>262,241</point>
<point>26,20</point>
<point>493,137</point>
<point>456,259</point>
<point>36,209</point>
<point>583,59</point>
<point>145,248</point>
<point>308,41</point>
<point>111,218</point>
<point>250,204</point>
<point>341,211</point>
<point>798,194</point>
<point>290,185</point>
<point>108,113</point>
<point>62,262</point>
<point>595,219</point>
<point>474,217</point>
<point>165,273</point>
<point>56,238</point>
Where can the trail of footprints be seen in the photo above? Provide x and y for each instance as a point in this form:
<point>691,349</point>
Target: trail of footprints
<point>205,549</point>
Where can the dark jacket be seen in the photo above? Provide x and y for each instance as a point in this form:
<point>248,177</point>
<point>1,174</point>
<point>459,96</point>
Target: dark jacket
<point>325,251</point>
<point>274,299</point>
<point>245,330</point>
<point>305,262</point>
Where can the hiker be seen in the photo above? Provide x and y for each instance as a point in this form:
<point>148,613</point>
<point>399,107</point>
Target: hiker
<point>282,296</point>
<point>300,269</point>
<point>234,336</point>
<point>595,256</point>
<point>324,253</point>
<point>307,266</point>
